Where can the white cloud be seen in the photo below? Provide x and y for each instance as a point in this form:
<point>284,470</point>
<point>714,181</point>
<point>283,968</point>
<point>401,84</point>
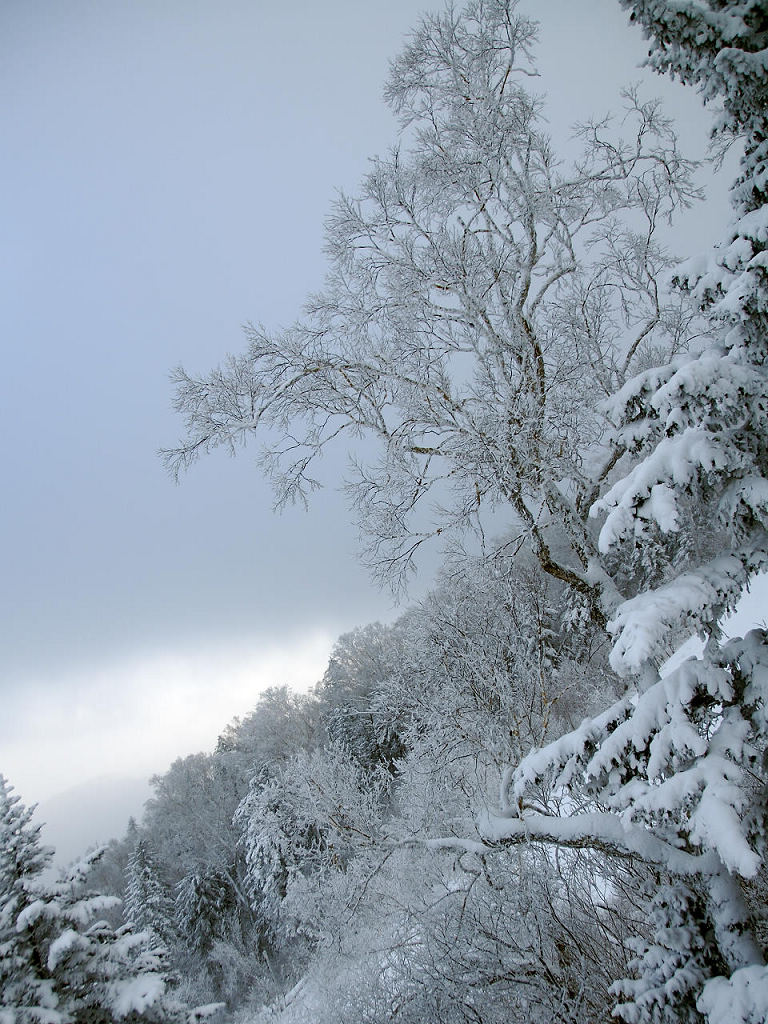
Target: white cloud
<point>134,718</point>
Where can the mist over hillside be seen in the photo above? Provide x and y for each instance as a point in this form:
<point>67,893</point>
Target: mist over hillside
<point>91,813</point>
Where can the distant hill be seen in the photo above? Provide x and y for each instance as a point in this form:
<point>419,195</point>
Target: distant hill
<point>90,813</point>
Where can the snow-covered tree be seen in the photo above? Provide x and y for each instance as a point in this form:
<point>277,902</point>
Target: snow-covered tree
<point>361,666</point>
<point>675,772</point>
<point>189,818</point>
<point>100,973</point>
<point>205,910</point>
<point>60,962</point>
<point>218,951</point>
<point>482,297</point>
<point>26,992</point>
<point>281,724</point>
<point>107,874</point>
<point>673,965</point>
<point>497,323</point>
<point>148,905</point>
<point>310,818</point>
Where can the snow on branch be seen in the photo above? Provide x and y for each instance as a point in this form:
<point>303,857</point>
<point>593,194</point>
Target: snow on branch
<point>673,760</point>
<point>696,599</point>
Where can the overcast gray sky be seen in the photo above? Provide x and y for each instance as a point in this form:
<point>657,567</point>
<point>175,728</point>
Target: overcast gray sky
<point>166,167</point>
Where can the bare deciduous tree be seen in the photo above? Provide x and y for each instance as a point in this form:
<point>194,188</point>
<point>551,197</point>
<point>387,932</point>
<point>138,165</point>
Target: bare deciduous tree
<point>482,297</point>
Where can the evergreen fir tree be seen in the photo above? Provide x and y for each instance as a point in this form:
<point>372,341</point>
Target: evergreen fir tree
<point>26,991</point>
<point>60,963</point>
<point>205,910</point>
<point>148,905</point>
<point>672,968</point>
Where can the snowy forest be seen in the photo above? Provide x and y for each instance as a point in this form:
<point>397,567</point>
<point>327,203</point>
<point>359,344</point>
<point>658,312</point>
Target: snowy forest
<point>507,805</point>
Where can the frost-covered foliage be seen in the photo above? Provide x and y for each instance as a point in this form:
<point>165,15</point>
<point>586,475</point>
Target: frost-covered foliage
<point>25,991</point>
<point>482,298</point>
<point>675,772</point>
<point>60,962</point>
<point>673,966</point>
<point>220,940</point>
<point>189,819</point>
<point>363,663</point>
<point>281,723</point>
<point>148,905</point>
<point>428,938</point>
<point>331,847</point>
<point>494,649</point>
<point>432,836</point>
<point>308,819</point>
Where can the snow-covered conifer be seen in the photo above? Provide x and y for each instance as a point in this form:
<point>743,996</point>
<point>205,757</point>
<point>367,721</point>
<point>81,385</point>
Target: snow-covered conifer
<point>672,968</point>
<point>100,972</point>
<point>26,991</point>
<point>148,905</point>
<point>210,932</point>
<point>60,962</point>
<point>205,910</point>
